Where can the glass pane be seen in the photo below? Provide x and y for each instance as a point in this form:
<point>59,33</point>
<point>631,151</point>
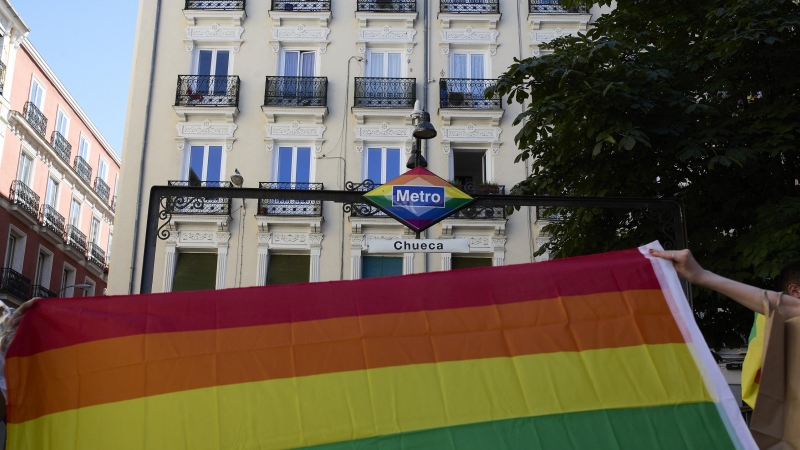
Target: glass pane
<point>223,58</point>
<point>374,165</point>
<point>392,164</point>
<point>95,232</point>
<point>375,64</point>
<point>381,266</point>
<point>303,170</point>
<point>75,213</point>
<point>476,67</point>
<point>214,169</point>
<point>196,163</point>
<point>52,190</point>
<point>459,66</point>
<point>61,124</point>
<point>204,62</point>
<point>459,262</point>
<point>24,174</point>
<point>285,164</point>
<point>290,63</point>
<point>307,65</point>
<point>195,272</point>
<point>83,149</point>
<point>102,170</point>
<point>288,269</point>
<point>395,66</point>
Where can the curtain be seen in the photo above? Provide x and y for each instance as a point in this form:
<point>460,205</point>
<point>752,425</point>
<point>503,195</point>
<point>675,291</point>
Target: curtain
<point>307,64</point>
<point>476,66</point>
<point>290,63</point>
<point>394,69</point>
<point>375,65</point>
<point>459,69</point>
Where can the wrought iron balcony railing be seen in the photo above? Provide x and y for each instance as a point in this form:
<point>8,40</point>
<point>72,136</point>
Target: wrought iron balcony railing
<point>24,196</point>
<point>96,255</point>
<point>481,212</point>
<point>84,169</point>
<point>362,209</point>
<point>463,93</point>
<point>385,92</point>
<point>386,5</point>
<point>102,189</point>
<point>52,220</point>
<point>470,6</point>
<point>215,5</point>
<point>2,76</point>
<point>76,239</point>
<point>198,205</point>
<point>207,90</point>
<point>296,91</point>
<point>301,5</point>
<point>35,117</point>
<point>16,284</point>
<point>61,146</point>
<point>540,215</point>
<point>276,207</point>
<point>40,291</point>
<point>553,7</point>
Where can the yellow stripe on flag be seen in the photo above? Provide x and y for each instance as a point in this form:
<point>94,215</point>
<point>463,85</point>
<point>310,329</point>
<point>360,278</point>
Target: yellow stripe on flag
<point>345,406</point>
<point>751,369</point>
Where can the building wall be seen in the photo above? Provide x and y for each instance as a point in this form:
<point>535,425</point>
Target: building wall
<point>338,134</point>
<point>17,136</point>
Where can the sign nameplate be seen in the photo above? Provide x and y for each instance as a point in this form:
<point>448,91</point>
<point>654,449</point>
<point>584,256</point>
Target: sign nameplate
<point>419,246</point>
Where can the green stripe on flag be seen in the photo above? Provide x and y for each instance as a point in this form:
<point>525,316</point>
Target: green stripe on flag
<point>686,426</point>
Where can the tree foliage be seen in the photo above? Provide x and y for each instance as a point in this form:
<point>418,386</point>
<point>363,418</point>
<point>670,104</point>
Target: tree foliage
<point>690,99</point>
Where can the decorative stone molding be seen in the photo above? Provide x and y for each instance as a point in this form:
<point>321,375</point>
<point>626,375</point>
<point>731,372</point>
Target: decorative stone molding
<point>317,114</point>
<point>217,113</point>
<point>383,113</point>
<point>322,17</point>
<point>544,37</point>
<point>300,34</point>
<point>365,17</point>
<point>446,149</point>
<point>206,130</point>
<point>384,133</point>
<point>470,36</point>
<point>578,21</point>
<point>490,20</point>
<point>232,18</point>
<point>471,133</point>
<point>386,35</point>
<point>214,34</point>
<point>295,131</point>
<point>476,115</point>
<point>193,237</point>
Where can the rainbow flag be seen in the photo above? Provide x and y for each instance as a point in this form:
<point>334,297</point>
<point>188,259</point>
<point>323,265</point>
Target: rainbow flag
<point>592,352</point>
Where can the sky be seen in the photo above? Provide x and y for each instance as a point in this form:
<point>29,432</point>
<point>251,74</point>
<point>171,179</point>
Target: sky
<point>89,45</point>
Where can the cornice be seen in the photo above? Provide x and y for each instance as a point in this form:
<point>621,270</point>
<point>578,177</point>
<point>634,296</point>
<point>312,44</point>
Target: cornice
<point>232,17</point>
<point>363,113</point>
<point>365,16</point>
<point>493,114</point>
<point>582,20</point>
<point>295,112</point>
<point>490,19</point>
<point>323,17</point>
<point>228,113</point>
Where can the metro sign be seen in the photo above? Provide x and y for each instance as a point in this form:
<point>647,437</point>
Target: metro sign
<point>418,198</point>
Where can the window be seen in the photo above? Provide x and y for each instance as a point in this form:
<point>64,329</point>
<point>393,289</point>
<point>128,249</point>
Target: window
<point>294,165</point>
<point>381,266</point>
<point>195,272</point>
<point>465,262</point>
<point>468,65</point>
<point>25,170</point>
<point>116,185</point>
<point>75,214</point>
<point>383,164</point>
<point>469,166</point>
<point>37,94</point>
<point>94,232</point>
<point>67,280</point>
<point>61,123</point>
<point>44,265</point>
<point>108,249</point>
<point>15,251</point>
<point>83,149</point>
<point>299,64</point>
<point>51,196</point>
<point>205,163</point>
<point>90,292</point>
<point>217,64</point>
<point>102,169</point>
<point>288,269</point>
<point>384,65</point>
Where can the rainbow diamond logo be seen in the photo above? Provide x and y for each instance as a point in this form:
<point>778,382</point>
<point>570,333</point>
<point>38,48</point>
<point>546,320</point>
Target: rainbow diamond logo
<point>418,198</point>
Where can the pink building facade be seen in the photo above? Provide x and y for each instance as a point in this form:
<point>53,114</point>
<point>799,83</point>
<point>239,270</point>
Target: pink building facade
<point>58,180</point>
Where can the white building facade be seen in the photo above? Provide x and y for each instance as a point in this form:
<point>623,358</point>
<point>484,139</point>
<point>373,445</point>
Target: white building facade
<point>318,95</point>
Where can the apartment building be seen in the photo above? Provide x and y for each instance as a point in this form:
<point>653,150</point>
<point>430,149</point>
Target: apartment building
<point>318,94</point>
<point>58,180</point>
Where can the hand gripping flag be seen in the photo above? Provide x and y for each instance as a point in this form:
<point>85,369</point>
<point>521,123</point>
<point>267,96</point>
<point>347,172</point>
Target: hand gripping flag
<point>593,352</point>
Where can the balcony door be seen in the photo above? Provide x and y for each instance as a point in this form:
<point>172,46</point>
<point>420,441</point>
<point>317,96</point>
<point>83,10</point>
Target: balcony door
<point>37,94</point>
<point>51,193</point>
<point>205,164</point>
<point>83,149</point>
<point>465,67</point>
<point>383,164</point>
<point>384,65</point>
<point>75,214</point>
<point>294,165</point>
<point>302,66</point>
<point>61,123</point>
<point>25,169</point>
<point>102,169</point>
<point>94,232</point>
<point>213,66</point>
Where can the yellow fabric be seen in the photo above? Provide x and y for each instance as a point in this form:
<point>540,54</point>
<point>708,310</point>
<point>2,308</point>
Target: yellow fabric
<point>752,363</point>
<point>343,406</point>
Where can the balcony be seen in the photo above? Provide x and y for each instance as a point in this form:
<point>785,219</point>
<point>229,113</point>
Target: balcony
<point>96,255</point>
<point>275,207</point>
<point>481,212</point>
<point>83,169</point>
<point>25,198</point>
<point>35,117</point>
<point>76,239</point>
<point>385,92</point>
<point>296,91</point>
<point>462,93</point>
<point>199,205</point>
<point>102,189</point>
<point>540,215</point>
<point>387,6</point>
<point>470,6</point>
<point>207,91</point>
<point>52,220</point>
<point>301,5</point>
<point>61,146</point>
<point>40,291</point>
<point>215,5</point>
<point>15,284</point>
<point>553,7</point>
<point>363,209</point>
<point>2,76</point>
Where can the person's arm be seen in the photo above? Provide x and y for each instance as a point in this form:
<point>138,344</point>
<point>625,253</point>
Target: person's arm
<point>749,296</point>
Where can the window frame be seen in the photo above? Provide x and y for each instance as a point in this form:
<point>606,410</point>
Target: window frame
<point>102,163</point>
<point>60,113</point>
<point>386,51</point>
<point>36,82</point>
<point>92,230</point>
<point>72,272</point>
<point>383,148</point>
<point>31,173</point>
<point>294,147</point>
<point>282,61</point>
<point>56,195</point>
<point>188,160</point>
<point>92,291</point>
<point>44,275</point>
<point>195,67</point>
<point>83,139</point>
<point>20,244</point>
<point>469,53</point>
<point>77,223</point>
